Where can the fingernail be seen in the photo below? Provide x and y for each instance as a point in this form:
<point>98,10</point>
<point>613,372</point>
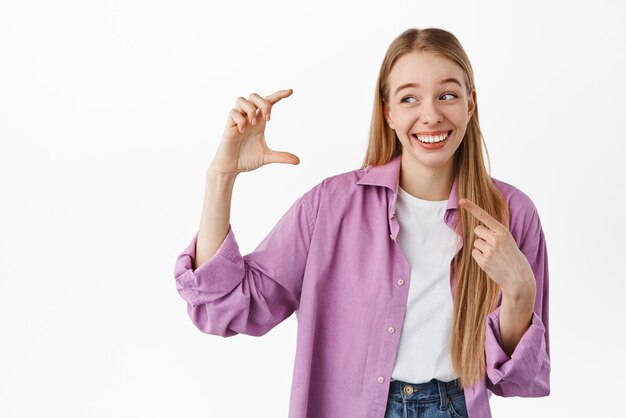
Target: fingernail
<point>267,117</point>
<point>253,121</point>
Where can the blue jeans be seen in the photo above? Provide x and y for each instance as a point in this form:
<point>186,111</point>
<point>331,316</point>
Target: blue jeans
<point>434,399</point>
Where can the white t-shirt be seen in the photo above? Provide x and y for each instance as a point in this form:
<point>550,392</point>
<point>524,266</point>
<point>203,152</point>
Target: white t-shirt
<point>429,245</point>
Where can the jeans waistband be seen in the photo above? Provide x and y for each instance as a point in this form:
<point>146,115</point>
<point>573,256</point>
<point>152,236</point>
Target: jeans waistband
<point>424,392</point>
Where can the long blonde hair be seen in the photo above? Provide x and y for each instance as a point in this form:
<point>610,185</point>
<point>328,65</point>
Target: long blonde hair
<point>476,295</point>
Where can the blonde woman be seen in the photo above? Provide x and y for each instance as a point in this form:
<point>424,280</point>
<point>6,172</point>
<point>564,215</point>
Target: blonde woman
<point>420,282</point>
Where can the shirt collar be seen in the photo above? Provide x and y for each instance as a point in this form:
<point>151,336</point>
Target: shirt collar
<point>388,175</point>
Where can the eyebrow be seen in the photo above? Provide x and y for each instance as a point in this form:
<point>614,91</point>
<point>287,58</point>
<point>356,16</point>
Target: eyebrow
<point>416,85</point>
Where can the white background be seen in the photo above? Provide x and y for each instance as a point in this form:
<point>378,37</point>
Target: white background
<point>110,112</point>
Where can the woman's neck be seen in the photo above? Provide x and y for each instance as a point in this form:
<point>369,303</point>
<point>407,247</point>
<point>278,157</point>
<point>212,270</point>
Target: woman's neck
<point>427,184</point>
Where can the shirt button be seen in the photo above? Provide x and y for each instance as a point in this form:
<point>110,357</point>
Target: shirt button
<point>391,236</point>
<point>400,282</point>
<point>381,379</point>
<point>391,330</point>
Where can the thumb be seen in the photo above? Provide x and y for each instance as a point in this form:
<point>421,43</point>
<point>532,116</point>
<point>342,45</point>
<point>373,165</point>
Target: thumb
<point>281,157</point>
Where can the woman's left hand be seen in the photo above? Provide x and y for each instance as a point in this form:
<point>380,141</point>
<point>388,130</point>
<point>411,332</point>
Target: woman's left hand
<point>497,253</point>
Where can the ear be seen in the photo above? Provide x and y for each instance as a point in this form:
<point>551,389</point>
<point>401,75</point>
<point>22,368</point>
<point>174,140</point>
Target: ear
<point>388,116</point>
<point>472,102</point>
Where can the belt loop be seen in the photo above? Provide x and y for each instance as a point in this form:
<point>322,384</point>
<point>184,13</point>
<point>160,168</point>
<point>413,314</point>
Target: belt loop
<point>443,396</point>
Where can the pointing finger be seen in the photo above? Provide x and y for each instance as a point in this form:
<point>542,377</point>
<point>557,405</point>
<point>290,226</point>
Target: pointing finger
<point>480,214</point>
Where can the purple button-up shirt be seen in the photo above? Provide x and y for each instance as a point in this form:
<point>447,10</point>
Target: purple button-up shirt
<point>333,260</point>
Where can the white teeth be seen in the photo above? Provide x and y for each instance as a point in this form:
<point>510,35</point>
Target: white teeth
<point>431,138</point>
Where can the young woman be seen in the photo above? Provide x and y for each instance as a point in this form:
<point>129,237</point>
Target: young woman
<point>419,282</point>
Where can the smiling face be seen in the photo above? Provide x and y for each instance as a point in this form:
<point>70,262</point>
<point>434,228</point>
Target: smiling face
<point>427,105</point>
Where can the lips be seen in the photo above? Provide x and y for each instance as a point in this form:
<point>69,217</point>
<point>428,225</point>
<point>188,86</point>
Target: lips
<point>415,135</point>
<point>432,133</point>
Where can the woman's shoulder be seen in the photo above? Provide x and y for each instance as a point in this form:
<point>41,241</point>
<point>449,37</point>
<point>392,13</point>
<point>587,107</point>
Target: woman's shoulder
<point>341,182</point>
<point>516,198</point>
<point>524,217</point>
<point>334,188</point>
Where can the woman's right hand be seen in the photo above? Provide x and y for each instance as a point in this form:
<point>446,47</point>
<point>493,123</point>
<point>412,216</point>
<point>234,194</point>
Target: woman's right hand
<point>243,146</point>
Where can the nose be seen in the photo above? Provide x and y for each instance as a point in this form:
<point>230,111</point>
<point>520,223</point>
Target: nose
<point>430,113</point>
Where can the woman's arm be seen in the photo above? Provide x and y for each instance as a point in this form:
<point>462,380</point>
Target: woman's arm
<point>215,218</point>
<point>231,293</point>
<point>525,371</point>
<point>516,313</point>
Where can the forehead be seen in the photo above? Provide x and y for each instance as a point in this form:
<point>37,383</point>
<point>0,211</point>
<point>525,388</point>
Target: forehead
<point>424,68</point>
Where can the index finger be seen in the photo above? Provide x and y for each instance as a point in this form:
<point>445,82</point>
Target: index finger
<point>480,213</point>
<point>280,94</point>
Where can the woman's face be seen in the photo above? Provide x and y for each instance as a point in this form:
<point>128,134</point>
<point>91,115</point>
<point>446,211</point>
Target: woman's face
<point>428,106</point>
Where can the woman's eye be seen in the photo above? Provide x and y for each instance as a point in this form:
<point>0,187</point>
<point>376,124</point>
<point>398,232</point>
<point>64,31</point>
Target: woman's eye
<point>411,97</point>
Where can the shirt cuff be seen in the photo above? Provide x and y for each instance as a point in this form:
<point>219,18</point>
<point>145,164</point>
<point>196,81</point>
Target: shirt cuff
<point>216,277</point>
<point>524,364</point>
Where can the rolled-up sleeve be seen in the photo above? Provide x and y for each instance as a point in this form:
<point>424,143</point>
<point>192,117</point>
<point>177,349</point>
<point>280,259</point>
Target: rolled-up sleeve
<point>230,294</point>
<point>526,372</point>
